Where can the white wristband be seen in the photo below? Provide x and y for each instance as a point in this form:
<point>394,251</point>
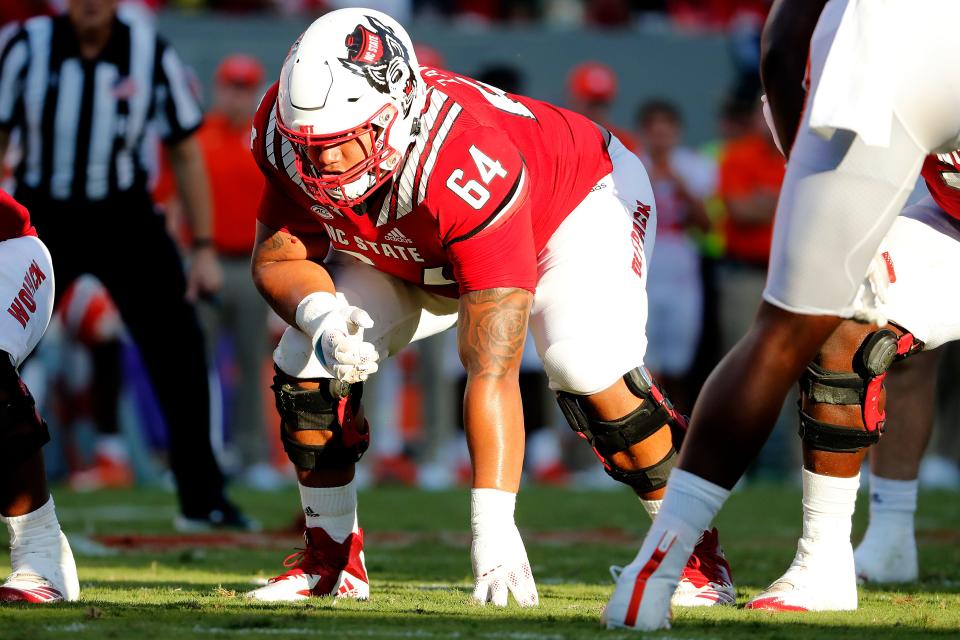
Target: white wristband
<point>313,309</point>
<point>491,507</point>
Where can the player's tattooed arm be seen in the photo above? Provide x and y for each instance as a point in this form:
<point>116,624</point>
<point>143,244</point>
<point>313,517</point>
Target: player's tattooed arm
<point>491,330</point>
<point>287,268</point>
<point>492,326</point>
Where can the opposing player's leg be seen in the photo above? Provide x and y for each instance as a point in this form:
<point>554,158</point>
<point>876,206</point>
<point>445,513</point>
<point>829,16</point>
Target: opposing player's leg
<point>588,322</point>
<point>842,413</point>
<point>43,569</point>
<point>888,551</point>
<point>839,198</point>
<point>324,431</point>
<point>776,345</point>
<point>921,250</point>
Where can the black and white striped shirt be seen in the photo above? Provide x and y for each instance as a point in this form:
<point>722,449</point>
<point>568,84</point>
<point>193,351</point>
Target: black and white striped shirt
<point>83,124</point>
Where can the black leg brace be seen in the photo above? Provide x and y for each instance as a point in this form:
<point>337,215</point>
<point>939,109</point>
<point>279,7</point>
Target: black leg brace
<point>861,387</point>
<point>608,437</point>
<point>333,406</point>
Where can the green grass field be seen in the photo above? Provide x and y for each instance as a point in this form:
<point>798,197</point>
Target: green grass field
<point>418,559</point>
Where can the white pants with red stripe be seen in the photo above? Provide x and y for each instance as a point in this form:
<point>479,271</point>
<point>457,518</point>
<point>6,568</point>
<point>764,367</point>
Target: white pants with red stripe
<point>921,256</point>
<point>590,309</point>
<point>883,94</point>
<point>26,295</point>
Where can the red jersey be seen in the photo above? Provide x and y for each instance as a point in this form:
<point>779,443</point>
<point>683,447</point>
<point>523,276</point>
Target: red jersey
<point>941,171</point>
<point>475,199</point>
<point>14,218</point>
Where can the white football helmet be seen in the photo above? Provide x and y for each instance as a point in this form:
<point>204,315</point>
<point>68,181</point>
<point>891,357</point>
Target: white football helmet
<point>352,73</point>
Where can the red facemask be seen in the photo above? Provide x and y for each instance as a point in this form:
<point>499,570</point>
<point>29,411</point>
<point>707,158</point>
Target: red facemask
<point>328,188</point>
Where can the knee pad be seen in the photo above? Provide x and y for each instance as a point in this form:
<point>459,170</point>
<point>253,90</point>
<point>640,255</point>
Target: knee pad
<point>22,431</point>
<point>334,406</point>
<point>860,387</point>
<point>608,437</point>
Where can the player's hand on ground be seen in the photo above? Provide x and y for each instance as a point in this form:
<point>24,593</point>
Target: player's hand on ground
<point>205,277</point>
<point>500,567</point>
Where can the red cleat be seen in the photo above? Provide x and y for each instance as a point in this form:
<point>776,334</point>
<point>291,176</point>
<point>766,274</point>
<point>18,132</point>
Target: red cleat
<point>29,587</point>
<point>706,580</point>
<point>323,568</point>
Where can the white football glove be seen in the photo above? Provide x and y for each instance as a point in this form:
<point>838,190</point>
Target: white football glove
<point>336,329</point>
<point>500,564</point>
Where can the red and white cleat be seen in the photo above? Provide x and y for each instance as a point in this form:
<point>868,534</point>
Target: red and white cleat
<point>705,581</point>
<point>323,568</point>
<point>820,579</point>
<point>42,575</point>
<point>30,587</point>
<point>641,598</point>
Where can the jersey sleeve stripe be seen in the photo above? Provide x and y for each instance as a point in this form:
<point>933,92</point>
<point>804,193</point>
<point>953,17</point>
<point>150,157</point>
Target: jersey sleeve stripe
<point>431,144</point>
<point>441,135</point>
<point>431,114</point>
<point>290,165</point>
<point>514,200</point>
<point>270,139</point>
<point>279,153</point>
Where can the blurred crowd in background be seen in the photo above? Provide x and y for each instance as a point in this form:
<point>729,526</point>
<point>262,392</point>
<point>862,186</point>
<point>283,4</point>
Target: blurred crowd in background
<point>715,205</point>
<point>613,14</point>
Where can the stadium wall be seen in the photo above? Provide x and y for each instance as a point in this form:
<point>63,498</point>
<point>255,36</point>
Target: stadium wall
<point>694,70</point>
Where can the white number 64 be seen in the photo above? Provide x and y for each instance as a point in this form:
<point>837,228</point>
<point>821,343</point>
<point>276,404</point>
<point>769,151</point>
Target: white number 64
<point>471,191</point>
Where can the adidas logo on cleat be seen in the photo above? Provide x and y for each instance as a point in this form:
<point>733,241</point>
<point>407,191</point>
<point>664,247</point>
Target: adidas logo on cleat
<point>396,235</point>
<point>347,589</point>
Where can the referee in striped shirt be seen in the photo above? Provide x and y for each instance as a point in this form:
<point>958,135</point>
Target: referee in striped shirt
<point>82,91</point>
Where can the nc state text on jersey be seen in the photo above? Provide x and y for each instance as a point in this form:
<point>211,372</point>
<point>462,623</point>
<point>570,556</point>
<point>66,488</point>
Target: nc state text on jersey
<point>395,251</point>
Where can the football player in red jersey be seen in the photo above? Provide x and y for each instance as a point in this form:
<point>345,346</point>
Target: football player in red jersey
<point>857,141</point>
<point>446,201</point>
<point>40,556</point>
<point>921,250</point>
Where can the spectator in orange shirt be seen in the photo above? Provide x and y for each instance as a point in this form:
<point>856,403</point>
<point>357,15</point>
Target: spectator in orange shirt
<point>235,184</point>
<point>592,88</point>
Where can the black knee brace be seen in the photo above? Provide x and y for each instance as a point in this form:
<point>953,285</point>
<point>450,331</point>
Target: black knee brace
<point>608,437</point>
<point>860,387</point>
<point>333,406</point>
<point>22,430</point>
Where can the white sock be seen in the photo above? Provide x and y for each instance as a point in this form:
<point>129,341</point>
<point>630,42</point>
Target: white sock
<point>828,505</point>
<point>652,507</point>
<point>491,508</point>
<point>893,504</point>
<point>689,505</point>
<point>37,528</point>
<point>333,509</point>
